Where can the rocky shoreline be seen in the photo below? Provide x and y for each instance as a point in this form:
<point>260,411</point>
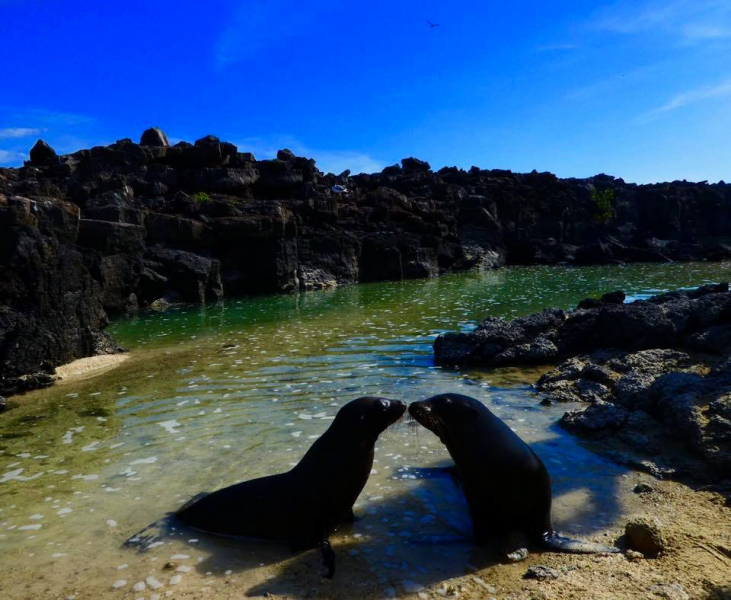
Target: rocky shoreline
<point>115,229</point>
<point>655,374</point>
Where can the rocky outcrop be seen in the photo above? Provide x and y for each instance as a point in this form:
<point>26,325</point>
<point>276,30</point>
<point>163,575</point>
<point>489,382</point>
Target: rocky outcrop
<point>50,302</point>
<point>136,225</point>
<point>677,319</point>
<point>637,369</point>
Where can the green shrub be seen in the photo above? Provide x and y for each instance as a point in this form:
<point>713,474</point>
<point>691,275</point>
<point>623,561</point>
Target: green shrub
<point>201,197</point>
<point>604,201</point>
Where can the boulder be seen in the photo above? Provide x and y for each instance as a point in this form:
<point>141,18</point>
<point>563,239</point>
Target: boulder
<point>42,154</point>
<point>154,137</point>
<point>414,164</point>
<point>192,277</point>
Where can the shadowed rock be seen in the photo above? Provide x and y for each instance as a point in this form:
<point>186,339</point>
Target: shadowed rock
<point>154,137</point>
<point>42,154</point>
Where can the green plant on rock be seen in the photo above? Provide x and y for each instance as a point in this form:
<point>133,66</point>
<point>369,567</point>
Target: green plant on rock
<point>604,201</point>
<point>201,197</point>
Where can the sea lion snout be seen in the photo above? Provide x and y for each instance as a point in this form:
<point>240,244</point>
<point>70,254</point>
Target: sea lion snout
<point>394,407</point>
<point>421,411</point>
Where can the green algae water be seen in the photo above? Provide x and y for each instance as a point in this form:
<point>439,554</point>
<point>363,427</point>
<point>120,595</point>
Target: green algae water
<point>215,395</point>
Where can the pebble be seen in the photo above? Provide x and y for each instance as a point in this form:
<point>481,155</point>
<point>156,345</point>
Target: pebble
<point>491,589</point>
<point>139,586</point>
<point>153,583</point>
<point>643,488</point>
<point>111,523</point>
<point>540,572</point>
<point>119,583</point>
<point>633,555</point>
<point>176,579</point>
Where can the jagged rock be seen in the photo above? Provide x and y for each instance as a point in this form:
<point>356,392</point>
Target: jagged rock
<point>596,417</point>
<point>644,534</point>
<point>111,238</point>
<point>414,164</point>
<point>86,209</point>
<point>42,154</point>
<point>154,137</point>
<point>191,277</point>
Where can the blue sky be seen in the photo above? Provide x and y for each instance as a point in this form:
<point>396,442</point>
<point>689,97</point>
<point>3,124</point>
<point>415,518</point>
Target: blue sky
<point>638,89</point>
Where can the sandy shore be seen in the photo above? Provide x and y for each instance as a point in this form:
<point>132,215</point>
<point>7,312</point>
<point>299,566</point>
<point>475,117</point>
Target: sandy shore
<point>89,367</point>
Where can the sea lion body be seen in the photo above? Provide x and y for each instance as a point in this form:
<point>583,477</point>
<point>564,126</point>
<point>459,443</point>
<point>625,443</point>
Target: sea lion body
<point>507,486</point>
<point>306,504</point>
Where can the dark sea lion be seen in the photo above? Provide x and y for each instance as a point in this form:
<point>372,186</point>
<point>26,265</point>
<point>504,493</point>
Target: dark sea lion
<point>305,505</point>
<point>507,487</point>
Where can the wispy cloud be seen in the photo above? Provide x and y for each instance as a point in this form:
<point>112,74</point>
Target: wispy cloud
<point>11,157</point>
<point>562,47</point>
<point>690,21</point>
<point>257,25</point>
<point>689,97</point>
<point>18,132</point>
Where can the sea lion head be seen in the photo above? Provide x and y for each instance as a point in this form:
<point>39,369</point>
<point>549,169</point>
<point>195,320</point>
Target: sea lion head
<point>447,415</point>
<point>370,414</point>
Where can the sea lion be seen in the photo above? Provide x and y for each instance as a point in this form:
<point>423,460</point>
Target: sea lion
<point>507,487</point>
<point>305,505</point>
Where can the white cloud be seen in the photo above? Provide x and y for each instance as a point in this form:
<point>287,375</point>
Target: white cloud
<point>18,132</point>
<point>338,161</point>
<point>11,158</point>
<point>330,161</point>
<point>691,21</point>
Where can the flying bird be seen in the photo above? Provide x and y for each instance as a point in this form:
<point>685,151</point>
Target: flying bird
<point>433,25</point>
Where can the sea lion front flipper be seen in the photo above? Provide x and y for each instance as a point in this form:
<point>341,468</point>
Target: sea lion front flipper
<point>328,558</point>
<point>561,543</point>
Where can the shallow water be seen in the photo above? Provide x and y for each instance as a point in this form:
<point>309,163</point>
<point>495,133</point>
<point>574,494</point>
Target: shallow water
<point>217,395</point>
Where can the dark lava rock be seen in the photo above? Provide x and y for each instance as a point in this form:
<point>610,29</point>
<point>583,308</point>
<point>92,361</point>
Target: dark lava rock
<point>414,164</point>
<point>154,137</point>
<point>83,230</point>
<point>42,154</point>
<point>646,399</point>
<point>644,535</point>
<point>596,417</point>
